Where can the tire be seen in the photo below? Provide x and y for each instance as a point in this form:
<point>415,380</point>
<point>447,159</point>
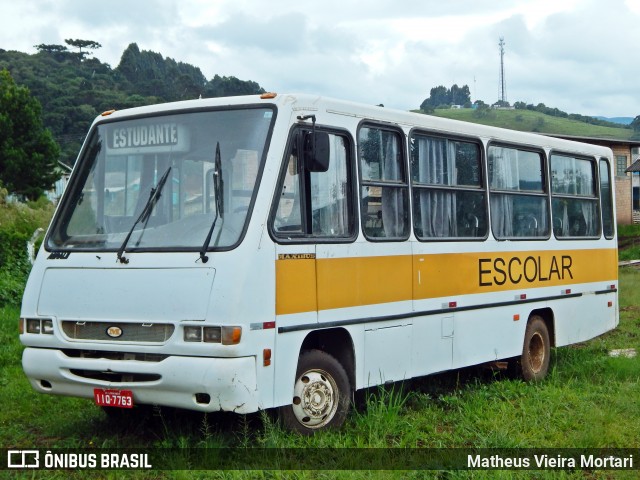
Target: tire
<point>533,364</point>
<point>321,395</point>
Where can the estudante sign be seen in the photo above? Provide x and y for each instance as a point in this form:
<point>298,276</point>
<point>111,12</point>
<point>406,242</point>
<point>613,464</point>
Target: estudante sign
<point>149,135</point>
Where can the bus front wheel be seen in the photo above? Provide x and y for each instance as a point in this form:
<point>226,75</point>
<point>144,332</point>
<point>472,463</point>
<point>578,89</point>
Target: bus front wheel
<point>533,365</point>
<point>320,394</point>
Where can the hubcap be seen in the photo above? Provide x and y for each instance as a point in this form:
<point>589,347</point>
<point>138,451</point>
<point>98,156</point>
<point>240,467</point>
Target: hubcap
<point>315,398</point>
<point>536,352</point>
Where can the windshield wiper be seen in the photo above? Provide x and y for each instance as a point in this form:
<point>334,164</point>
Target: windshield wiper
<point>154,196</point>
<point>217,191</point>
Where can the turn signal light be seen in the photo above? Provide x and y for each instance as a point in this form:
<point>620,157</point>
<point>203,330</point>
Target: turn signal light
<point>231,335</point>
<point>266,357</point>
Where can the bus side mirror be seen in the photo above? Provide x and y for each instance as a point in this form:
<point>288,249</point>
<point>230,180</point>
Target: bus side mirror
<point>316,151</point>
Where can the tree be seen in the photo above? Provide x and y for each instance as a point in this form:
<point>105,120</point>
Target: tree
<point>441,95</point>
<point>460,95</point>
<point>51,48</point>
<point>502,104</point>
<point>80,44</point>
<point>28,153</point>
<point>635,124</point>
<point>228,86</point>
<point>59,52</point>
<point>150,74</point>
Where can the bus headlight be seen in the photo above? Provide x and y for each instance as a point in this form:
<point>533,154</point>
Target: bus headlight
<point>212,334</point>
<point>47,327</point>
<point>192,334</point>
<point>38,325</point>
<point>33,325</point>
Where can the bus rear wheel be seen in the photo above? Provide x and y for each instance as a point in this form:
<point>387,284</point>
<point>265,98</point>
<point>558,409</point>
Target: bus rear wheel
<point>320,394</point>
<point>533,364</point>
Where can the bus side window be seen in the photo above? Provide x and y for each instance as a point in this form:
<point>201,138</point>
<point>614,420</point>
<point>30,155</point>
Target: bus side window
<point>518,198</point>
<point>385,191</point>
<point>574,200</point>
<point>449,200</point>
<point>316,203</point>
<point>605,200</point>
<point>288,216</point>
<point>330,194</point>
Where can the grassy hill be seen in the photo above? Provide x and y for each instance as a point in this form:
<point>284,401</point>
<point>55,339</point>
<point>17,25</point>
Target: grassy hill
<point>532,121</point>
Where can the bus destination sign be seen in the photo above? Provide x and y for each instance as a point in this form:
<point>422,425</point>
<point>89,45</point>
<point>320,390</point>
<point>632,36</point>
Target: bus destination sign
<point>154,137</point>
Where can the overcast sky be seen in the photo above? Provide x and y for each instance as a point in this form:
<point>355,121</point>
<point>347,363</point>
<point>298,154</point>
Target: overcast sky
<point>577,55</point>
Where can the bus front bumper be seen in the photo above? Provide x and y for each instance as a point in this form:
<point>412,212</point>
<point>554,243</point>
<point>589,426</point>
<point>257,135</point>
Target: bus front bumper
<point>193,383</point>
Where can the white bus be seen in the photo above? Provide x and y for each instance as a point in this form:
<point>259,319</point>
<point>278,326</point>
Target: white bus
<point>283,251</point>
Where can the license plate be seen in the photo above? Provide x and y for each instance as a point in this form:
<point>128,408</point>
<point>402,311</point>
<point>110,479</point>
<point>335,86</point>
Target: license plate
<point>113,398</point>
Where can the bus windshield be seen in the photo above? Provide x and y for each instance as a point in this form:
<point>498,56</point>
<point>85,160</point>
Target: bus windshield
<point>108,205</point>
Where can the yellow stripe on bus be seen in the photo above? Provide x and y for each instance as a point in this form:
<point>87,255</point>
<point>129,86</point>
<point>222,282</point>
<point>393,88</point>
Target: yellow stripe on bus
<point>356,281</point>
<point>305,285</point>
<point>295,286</point>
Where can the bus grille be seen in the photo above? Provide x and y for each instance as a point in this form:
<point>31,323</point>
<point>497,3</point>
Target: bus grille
<point>99,354</point>
<point>116,377</point>
<point>118,331</point>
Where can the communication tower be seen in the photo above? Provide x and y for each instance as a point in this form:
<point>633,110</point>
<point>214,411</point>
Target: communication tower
<point>503,83</point>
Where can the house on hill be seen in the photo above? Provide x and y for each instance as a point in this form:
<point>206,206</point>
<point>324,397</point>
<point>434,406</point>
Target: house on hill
<point>626,167</point>
<point>634,170</point>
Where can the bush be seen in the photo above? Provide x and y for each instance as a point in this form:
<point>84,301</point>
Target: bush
<point>17,224</point>
<point>12,282</point>
<point>483,111</point>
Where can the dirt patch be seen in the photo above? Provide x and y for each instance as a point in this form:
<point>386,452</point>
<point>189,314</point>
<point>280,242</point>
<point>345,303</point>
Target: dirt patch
<point>630,308</point>
<point>628,242</point>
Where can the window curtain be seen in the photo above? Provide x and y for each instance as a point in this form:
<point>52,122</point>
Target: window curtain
<point>393,204</point>
<point>585,187</point>
<point>502,176</point>
<point>339,186</point>
<point>436,166</point>
<point>560,166</point>
<point>329,192</point>
<point>576,178</point>
<point>565,219</point>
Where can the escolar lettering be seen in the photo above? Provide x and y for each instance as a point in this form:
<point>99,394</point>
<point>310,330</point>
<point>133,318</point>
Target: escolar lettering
<point>514,270</point>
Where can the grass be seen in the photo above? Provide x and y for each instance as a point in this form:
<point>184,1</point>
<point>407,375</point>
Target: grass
<point>629,242</point>
<point>531,121</point>
<point>17,224</point>
<point>588,400</point>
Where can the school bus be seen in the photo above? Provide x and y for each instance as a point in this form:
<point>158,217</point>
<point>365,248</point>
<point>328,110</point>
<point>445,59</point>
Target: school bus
<point>283,251</point>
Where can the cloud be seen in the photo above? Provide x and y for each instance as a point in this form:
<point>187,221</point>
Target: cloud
<point>578,61</point>
<point>288,33</point>
<point>103,15</point>
<point>577,55</point>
